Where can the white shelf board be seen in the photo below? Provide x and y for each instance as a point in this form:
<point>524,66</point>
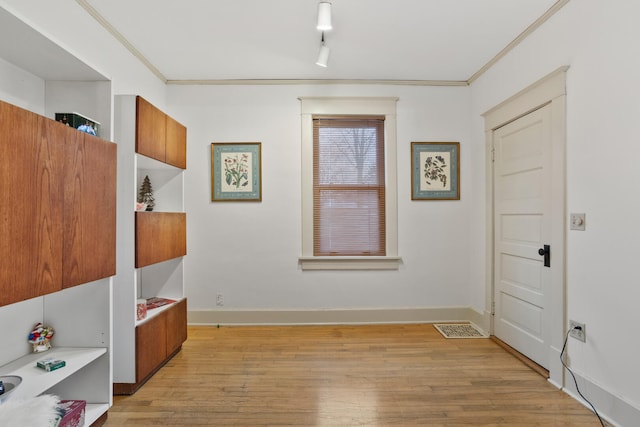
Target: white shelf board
<point>155,311</point>
<point>36,381</point>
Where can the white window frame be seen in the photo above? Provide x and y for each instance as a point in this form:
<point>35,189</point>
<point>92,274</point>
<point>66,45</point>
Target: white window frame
<point>386,107</point>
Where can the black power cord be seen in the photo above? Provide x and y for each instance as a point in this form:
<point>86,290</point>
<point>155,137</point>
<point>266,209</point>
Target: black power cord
<point>574,377</point>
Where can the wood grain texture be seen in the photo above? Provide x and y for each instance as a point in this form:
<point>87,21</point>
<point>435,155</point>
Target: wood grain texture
<point>160,236</point>
<point>89,209</point>
<point>150,130</point>
<point>157,340</point>
<point>379,375</point>
<point>176,148</point>
<point>176,326</point>
<point>31,205</point>
<point>151,345</point>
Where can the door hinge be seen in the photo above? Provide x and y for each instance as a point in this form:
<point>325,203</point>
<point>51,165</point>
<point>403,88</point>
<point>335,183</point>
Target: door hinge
<point>493,308</point>
<point>493,154</point>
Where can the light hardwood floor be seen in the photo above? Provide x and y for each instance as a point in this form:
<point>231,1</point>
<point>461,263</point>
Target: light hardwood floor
<point>380,375</point>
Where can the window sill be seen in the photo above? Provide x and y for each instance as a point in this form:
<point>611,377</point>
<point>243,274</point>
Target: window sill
<point>350,263</point>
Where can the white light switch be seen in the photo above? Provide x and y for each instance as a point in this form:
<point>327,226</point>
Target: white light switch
<point>577,221</point>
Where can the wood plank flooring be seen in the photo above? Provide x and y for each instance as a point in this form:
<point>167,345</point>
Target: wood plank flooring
<point>379,375</point>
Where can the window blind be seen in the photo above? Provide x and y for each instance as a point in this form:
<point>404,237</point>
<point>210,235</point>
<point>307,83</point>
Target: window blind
<point>348,186</point>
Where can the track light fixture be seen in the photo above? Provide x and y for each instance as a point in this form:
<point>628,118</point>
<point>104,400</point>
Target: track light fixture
<point>324,16</point>
<point>323,55</point>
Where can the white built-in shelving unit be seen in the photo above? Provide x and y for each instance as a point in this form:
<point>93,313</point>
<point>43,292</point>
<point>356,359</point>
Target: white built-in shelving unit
<point>38,75</point>
<point>162,279</point>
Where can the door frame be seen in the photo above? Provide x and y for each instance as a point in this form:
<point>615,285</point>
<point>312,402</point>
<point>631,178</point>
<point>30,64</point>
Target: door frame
<point>550,90</point>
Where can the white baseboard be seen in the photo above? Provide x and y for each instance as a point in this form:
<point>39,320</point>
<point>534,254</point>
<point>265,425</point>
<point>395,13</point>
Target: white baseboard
<point>611,408</point>
<point>335,316</point>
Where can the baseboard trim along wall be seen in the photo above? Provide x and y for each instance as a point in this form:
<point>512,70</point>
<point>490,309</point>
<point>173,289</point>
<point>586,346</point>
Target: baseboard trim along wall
<point>336,316</point>
<point>611,408</point>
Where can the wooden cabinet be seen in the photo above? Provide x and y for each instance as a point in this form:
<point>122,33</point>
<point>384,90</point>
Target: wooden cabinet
<point>176,326</point>
<point>151,346</point>
<point>159,136</point>
<point>58,222</point>
<point>176,144</point>
<point>58,193</point>
<point>31,193</point>
<point>160,236</point>
<point>158,339</point>
<point>150,130</point>
<point>154,243</point>
<point>89,245</point>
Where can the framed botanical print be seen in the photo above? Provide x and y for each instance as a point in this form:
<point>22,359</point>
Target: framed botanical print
<point>236,171</point>
<point>435,171</point>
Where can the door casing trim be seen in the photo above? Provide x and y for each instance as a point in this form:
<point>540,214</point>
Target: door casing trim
<point>551,89</point>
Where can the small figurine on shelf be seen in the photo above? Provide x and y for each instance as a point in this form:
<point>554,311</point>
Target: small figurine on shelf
<point>145,195</point>
<point>87,128</point>
<point>40,338</point>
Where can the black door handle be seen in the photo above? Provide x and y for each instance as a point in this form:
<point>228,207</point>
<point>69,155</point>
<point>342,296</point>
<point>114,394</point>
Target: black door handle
<point>546,251</point>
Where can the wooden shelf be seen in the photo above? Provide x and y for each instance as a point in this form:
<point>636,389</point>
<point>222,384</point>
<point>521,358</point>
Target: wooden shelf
<point>36,381</point>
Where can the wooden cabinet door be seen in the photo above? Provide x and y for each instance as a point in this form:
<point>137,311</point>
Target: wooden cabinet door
<point>176,149</point>
<point>150,130</point>
<point>31,205</point>
<point>89,209</point>
<point>151,345</point>
<point>160,236</point>
<point>176,326</point>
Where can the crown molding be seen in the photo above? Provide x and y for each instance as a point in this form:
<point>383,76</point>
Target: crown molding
<point>254,82</point>
<point>515,42</point>
<point>122,39</point>
<point>391,82</point>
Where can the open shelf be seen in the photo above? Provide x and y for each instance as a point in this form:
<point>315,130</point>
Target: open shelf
<point>151,313</point>
<point>93,411</point>
<point>44,78</point>
<point>36,381</point>
<point>150,143</point>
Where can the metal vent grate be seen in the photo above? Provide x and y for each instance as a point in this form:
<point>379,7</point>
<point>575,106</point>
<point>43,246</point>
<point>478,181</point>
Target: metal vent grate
<point>459,330</point>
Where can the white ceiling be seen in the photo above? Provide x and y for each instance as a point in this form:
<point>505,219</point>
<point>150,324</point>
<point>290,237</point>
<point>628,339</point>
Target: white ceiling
<point>423,40</point>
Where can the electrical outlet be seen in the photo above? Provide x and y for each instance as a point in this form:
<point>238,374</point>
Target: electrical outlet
<point>577,330</point>
<point>219,300</point>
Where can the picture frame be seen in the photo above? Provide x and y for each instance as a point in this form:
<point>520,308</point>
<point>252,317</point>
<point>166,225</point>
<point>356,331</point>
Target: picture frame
<point>236,171</point>
<point>435,171</point>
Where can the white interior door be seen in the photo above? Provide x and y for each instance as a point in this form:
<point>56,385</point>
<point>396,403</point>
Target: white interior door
<point>522,227</point>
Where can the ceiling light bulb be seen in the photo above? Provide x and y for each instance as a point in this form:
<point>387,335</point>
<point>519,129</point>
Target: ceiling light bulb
<point>323,55</point>
<point>324,16</point>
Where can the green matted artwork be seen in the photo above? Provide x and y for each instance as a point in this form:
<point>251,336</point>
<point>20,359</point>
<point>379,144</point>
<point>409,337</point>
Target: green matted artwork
<point>435,171</point>
<point>236,172</point>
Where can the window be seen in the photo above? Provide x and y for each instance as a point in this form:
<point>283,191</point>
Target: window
<point>348,186</point>
<point>349,196</point>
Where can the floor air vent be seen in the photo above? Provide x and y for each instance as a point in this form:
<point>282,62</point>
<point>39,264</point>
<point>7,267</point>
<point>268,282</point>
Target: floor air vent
<point>459,330</point>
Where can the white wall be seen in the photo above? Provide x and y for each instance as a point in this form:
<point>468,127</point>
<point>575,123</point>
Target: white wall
<point>599,41</point>
<point>20,88</point>
<point>249,251</point>
<point>67,24</point>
